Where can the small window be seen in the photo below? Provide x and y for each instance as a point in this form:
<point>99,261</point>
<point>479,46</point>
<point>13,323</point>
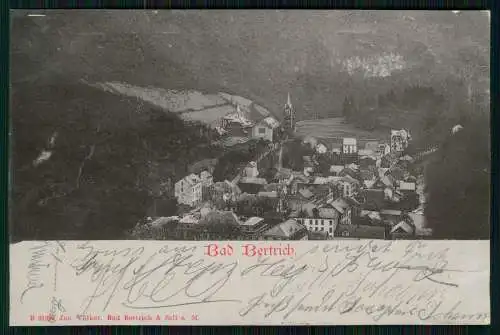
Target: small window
<point>345,233</point>
<point>262,130</point>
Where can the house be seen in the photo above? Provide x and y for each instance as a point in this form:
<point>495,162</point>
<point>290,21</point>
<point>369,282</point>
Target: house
<point>344,209</point>
<point>361,232</point>
<point>403,230</point>
<point>399,140</point>
<point>373,216</point>
<point>392,216</point>
<point>224,191</point>
<point>288,230</point>
<point>336,169</point>
<point>336,148</point>
<point>383,149</point>
<point>265,129</point>
<point>407,186</point>
<point>349,186</point>
<point>321,148</point>
<point>284,176</point>
<point>253,228</point>
<point>349,171</point>
<point>188,190</point>
<point>251,185</point>
<point>251,170</point>
<point>349,146</point>
<point>317,217</point>
<point>309,165</point>
<point>298,182</point>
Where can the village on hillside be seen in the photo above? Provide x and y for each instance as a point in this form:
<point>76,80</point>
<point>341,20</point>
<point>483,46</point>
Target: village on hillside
<point>345,188</point>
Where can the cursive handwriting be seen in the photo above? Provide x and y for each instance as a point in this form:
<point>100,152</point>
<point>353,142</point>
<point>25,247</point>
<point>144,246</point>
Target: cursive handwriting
<point>36,263</point>
<point>147,280</point>
<point>365,272</point>
<point>367,279</point>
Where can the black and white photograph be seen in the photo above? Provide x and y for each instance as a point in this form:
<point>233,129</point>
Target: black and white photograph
<point>250,125</point>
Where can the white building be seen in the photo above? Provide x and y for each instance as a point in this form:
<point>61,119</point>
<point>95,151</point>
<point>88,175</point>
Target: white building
<point>265,128</point>
<point>349,146</point>
<point>188,190</point>
<point>399,140</point>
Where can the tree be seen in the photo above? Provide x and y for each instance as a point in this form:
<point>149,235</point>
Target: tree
<point>458,184</point>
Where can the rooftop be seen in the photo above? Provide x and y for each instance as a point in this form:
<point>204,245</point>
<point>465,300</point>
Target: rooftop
<point>349,141</point>
<point>285,229</point>
<point>252,221</point>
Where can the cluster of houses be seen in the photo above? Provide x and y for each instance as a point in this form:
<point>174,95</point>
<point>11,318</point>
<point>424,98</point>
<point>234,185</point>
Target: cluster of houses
<point>367,192</point>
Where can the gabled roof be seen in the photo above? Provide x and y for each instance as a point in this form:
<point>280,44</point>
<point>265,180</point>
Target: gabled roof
<point>306,193</point>
<point>285,229</point>
<point>340,205</point>
<point>336,168</point>
<point>284,173</point>
<point>349,179</point>
<point>252,221</point>
<point>349,141</point>
<point>191,179</point>
<point>404,227</point>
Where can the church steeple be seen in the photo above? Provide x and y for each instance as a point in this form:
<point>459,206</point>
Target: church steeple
<point>289,119</point>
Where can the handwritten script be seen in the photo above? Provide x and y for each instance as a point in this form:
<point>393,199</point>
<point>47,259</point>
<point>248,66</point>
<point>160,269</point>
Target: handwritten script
<point>357,282</point>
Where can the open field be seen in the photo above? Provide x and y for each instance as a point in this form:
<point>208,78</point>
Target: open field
<point>336,129</point>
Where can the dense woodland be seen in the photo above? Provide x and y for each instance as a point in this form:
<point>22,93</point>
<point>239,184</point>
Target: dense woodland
<point>109,156</point>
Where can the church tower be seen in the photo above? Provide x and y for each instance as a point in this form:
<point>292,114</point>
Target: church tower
<point>289,118</point>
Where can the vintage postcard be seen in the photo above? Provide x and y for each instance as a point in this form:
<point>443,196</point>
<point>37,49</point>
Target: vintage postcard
<point>264,167</point>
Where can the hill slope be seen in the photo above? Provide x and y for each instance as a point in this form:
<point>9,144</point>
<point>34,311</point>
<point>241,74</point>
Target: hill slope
<point>316,55</point>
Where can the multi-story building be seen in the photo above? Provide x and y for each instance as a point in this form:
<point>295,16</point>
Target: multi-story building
<point>253,228</point>
<point>349,146</point>
<point>188,190</point>
<point>265,129</point>
<point>399,140</point>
